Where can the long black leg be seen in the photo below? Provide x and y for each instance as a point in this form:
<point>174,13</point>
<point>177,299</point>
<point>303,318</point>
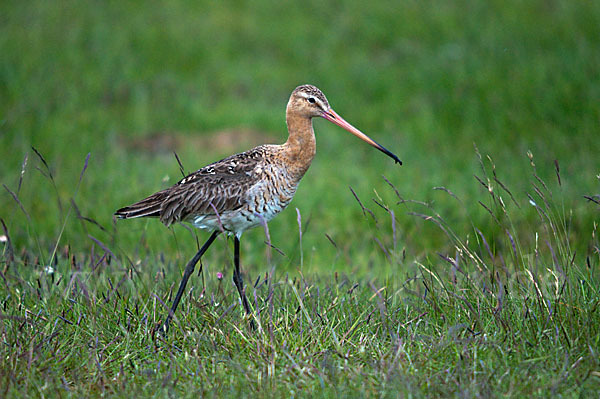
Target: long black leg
<point>237,277</point>
<point>189,269</point>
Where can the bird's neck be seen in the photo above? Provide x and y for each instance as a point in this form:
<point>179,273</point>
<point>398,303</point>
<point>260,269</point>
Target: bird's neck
<point>300,147</point>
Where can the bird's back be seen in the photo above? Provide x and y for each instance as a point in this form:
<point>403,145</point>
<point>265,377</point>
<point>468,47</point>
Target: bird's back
<point>233,194</point>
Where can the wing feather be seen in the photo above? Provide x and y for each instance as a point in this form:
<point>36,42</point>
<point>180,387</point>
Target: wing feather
<point>221,186</point>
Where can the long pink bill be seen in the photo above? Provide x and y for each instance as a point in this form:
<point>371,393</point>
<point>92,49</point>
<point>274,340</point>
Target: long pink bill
<point>332,116</point>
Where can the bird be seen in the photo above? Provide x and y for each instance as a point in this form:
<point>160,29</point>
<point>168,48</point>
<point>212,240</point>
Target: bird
<point>244,190</point>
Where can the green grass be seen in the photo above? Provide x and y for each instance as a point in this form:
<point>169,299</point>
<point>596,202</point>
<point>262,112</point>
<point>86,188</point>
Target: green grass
<point>473,273</point>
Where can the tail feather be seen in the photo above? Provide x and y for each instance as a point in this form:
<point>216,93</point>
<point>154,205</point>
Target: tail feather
<point>148,207</point>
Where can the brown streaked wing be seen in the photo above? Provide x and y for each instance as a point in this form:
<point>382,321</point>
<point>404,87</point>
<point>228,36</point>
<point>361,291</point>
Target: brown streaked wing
<point>148,207</point>
<point>220,186</point>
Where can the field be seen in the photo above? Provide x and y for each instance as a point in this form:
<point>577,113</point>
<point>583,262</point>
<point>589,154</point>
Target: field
<point>473,270</point>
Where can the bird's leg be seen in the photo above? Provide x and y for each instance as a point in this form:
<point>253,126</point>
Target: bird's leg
<point>237,278</point>
<point>189,269</point>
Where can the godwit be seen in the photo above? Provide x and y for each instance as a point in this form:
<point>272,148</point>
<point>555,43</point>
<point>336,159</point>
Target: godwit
<point>247,189</point>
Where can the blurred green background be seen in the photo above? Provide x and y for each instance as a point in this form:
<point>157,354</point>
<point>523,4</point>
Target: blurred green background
<point>132,82</point>
<point>465,304</point>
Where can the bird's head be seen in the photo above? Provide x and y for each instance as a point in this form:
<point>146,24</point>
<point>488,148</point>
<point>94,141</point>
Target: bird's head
<point>309,102</point>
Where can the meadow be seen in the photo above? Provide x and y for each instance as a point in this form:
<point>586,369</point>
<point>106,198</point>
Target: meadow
<point>470,271</point>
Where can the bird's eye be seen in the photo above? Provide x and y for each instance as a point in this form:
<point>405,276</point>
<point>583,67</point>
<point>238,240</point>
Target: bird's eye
<point>311,100</point>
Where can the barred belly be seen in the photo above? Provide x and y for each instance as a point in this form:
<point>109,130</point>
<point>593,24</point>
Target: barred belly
<point>262,203</point>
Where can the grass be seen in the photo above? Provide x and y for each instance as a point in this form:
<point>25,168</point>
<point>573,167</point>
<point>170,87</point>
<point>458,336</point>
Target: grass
<point>470,271</point>
<point>512,313</point>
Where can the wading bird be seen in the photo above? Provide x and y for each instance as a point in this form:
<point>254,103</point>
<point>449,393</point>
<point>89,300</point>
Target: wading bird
<point>247,189</point>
